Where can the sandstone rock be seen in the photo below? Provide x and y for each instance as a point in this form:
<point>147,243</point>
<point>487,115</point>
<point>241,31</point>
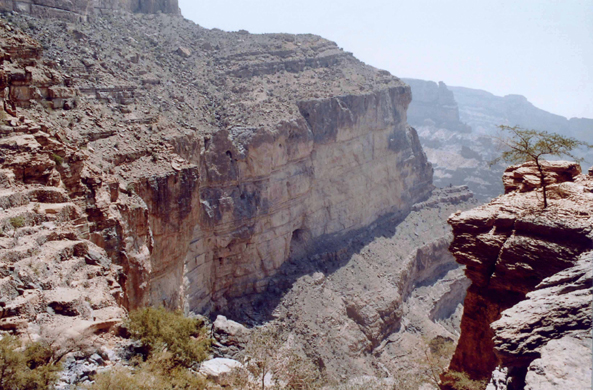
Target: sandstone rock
<point>184,52</point>
<point>560,304</point>
<point>531,274</point>
<point>526,177</point>
<point>229,336</point>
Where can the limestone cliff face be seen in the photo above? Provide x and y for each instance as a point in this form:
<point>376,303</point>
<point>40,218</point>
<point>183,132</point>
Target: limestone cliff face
<point>204,168</point>
<point>229,155</point>
<point>531,280</point>
<point>83,9</point>
<point>264,195</point>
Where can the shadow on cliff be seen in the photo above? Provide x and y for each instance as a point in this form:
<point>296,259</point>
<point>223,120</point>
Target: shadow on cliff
<point>325,254</point>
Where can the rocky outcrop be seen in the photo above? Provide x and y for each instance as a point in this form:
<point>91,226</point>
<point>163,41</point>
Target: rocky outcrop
<point>81,10</point>
<point>459,155</point>
<point>526,177</point>
<point>545,340</point>
<point>434,104</point>
<point>531,281</point>
<point>54,282</point>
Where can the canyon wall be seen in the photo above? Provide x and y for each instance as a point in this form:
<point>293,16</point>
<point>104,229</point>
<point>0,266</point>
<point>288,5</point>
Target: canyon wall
<point>435,104</point>
<point>264,195</point>
<point>83,9</point>
<point>207,167</point>
<point>531,282</point>
<point>484,111</point>
<point>458,154</point>
<point>456,126</point>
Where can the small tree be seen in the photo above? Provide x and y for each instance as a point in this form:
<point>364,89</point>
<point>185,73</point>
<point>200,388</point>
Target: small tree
<point>520,145</point>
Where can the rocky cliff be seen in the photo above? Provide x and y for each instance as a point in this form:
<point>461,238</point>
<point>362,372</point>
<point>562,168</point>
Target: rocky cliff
<point>81,10</point>
<point>484,110</point>
<point>201,160</point>
<point>434,104</point>
<point>456,125</point>
<point>459,155</point>
<point>530,298</point>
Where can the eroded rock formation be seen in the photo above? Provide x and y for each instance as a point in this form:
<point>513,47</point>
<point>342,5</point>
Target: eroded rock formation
<point>243,152</point>
<point>54,281</point>
<point>434,104</point>
<point>531,282</point>
<point>81,10</point>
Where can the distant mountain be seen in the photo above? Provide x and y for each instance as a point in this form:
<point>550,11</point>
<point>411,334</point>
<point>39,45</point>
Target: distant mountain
<point>456,125</point>
<point>484,111</point>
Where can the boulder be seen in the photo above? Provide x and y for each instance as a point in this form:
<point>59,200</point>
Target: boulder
<point>228,335</point>
<point>219,369</point>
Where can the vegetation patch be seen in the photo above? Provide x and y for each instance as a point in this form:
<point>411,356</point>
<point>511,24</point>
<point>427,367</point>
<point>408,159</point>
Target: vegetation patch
<point>173,344</point>
<point>161,330</point>
<point>17,222</point>
<point>59,160</point>
<point>30,367</point>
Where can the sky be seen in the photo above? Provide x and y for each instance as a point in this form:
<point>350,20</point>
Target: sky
<point>542,49</point>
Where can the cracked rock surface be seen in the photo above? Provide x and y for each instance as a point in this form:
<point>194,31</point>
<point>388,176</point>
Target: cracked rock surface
<point>531,280</point>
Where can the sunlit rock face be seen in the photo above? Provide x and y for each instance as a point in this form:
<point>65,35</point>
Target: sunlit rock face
<point>237,151</point>
<point>269,194</point>
<point>531,280</point>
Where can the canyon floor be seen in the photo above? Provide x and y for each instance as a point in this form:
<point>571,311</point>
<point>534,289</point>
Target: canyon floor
<point>363,307</point>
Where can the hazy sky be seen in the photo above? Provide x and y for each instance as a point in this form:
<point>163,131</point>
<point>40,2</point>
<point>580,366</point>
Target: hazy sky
<point>542,49</point>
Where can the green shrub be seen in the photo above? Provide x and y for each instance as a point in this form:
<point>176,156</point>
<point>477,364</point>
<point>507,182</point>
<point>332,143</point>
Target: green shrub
<point>162,330</point>
<point>32,367</point>
<point>57,159</point>
<point>159,372</point>
<point>173,342</point>
<point>461,381</point>
<point>17,222</point>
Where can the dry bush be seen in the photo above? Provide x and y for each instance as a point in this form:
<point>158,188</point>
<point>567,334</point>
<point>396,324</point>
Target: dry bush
<point>173,342</point>
<point>162,330</point>
<point>461,381</point>
<point>30,367</point>
<point>159,372</point>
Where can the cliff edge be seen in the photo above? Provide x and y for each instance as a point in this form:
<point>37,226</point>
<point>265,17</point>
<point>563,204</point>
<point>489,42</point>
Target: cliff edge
<point>198,161</point>
<point>527,314</point>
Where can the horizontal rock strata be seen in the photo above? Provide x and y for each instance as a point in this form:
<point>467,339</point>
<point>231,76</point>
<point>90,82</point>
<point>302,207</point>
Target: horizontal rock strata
<point>530,273</point>
<point>81,10</point>
<point>204,168</point>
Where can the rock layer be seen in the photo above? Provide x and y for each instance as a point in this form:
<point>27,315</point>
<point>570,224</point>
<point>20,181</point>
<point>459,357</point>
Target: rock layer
<point>268,195</point>
<point>81,10</point>
<point>243,152</point>
<point>530,273</point>
<point>54,282</point>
